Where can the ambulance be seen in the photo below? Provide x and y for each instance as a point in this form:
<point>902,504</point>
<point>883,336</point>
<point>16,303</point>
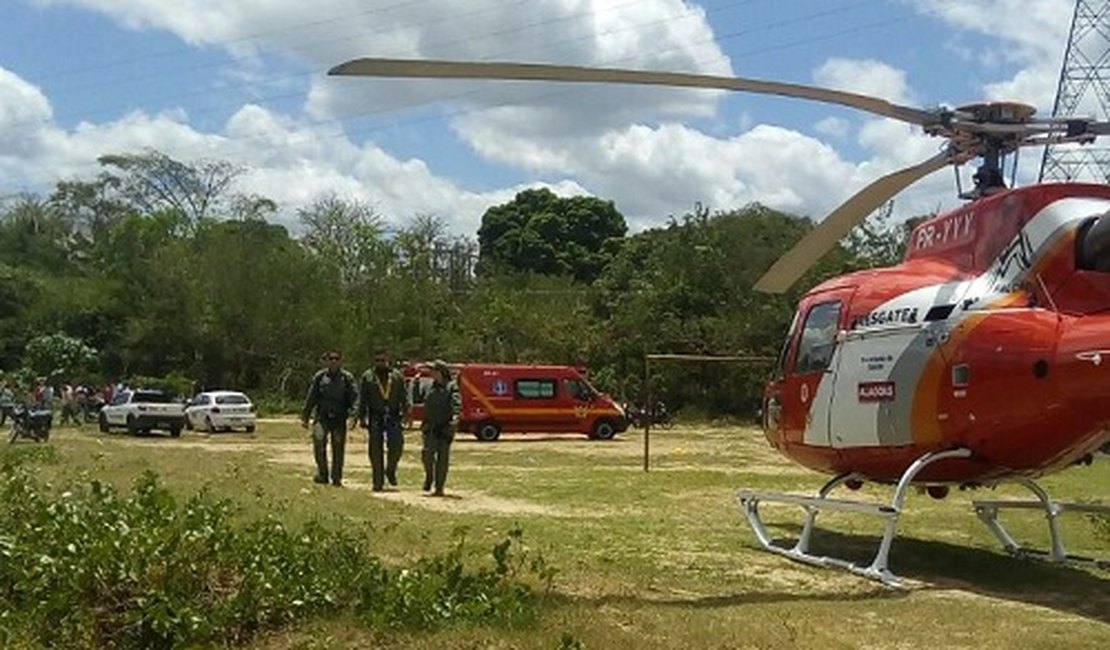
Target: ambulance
<point>515,398</point>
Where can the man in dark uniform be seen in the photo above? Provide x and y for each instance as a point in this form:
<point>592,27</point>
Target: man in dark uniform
<point>383,407</point>
<point>440,407</point>
<point>331,395</point>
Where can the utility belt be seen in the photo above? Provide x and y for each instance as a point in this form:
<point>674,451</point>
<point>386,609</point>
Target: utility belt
<point>331,417</point>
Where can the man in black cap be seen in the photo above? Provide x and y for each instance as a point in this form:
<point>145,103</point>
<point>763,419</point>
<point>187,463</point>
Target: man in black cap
<point>331,397</point>
<point>440,407</point>
<point>383,407</point>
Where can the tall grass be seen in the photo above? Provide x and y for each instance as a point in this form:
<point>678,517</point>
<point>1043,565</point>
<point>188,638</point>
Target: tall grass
<point>90,566</point>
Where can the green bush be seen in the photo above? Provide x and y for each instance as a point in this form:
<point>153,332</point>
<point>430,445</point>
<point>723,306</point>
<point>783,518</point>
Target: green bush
<point>271,404</point>
<point>92,567</point>
<point>174,383</point>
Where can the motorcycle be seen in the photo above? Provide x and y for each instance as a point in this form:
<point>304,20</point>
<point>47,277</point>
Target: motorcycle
<point>638,416</point>
<point>30,423</point>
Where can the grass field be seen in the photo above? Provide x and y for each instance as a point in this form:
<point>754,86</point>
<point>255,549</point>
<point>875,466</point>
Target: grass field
<point>662,559</point>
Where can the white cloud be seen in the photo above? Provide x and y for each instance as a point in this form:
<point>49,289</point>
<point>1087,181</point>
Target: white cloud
<point>832,126</point>
<point>867,77</point>
<point>287,160</point>
<point>622,143</point>
<point>1030,34</point>
<point>651,34</point>
<point>541,129</point>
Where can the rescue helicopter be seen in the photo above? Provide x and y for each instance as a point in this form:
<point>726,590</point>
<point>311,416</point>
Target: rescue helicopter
<point>982,358</point>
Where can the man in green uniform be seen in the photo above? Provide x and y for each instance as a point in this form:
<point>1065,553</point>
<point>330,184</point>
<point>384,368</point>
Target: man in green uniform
<point>440,407</point>
<point>331,397</point>
<point>383,407</point>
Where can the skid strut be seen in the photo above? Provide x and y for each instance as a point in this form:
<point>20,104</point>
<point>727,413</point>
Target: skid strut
<point>988,512</point>
<point>879,567</point>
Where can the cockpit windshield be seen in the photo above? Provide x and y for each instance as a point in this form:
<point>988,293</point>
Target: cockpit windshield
<point>818,338</point>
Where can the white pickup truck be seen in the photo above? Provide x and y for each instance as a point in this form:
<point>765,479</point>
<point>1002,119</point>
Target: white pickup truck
<point>140,411</point>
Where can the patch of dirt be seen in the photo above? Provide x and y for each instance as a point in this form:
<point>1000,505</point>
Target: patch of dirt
<point>457,501</point>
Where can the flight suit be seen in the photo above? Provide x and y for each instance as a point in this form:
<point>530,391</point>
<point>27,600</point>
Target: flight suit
<point>383,406</point>
<point>440,406</point>
<point>331,400</point>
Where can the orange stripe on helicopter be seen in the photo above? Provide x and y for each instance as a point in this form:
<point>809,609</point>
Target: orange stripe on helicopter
<point>923,423</point>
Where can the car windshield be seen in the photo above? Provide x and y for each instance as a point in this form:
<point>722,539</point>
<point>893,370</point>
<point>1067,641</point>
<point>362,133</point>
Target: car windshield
<point>152,397</point>
<point>232,399</point>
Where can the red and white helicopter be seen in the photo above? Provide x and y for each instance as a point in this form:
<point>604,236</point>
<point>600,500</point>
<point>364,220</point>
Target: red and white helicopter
<point>984,357</point>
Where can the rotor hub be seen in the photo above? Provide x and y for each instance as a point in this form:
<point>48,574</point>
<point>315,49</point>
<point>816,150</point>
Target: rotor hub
<point>997,112</point>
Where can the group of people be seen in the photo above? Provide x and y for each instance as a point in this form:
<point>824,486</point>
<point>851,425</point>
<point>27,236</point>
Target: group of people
<point>379,402</point>
<point>77,401</point>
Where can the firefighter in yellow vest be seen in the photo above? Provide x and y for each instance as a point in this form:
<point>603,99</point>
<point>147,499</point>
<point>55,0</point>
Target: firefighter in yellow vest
<point>383,408</point>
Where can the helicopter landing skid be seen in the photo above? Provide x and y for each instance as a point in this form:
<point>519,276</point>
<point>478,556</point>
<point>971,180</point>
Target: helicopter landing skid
<point>879,568</point>
<point>988,512</point>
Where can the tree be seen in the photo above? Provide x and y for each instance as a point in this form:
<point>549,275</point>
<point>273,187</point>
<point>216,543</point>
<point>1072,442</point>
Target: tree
<point>35,234</point>
<point>347,234</point>
<point>539,232</point>
<point>59,355</point>
<point>877,241</point>
<point>153,181</point>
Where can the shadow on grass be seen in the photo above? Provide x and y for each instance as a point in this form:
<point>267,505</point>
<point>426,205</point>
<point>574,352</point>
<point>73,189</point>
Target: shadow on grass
<point>943,565</point>
<point>746,598</point>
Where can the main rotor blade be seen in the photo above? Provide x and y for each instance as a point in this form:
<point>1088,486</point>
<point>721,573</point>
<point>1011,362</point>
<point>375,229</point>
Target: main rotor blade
<point>791,266</point>
<point>375,67</point>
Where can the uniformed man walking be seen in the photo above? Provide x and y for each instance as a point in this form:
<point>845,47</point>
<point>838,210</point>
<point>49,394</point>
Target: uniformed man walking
<point>383,407</point>
<point>330,401</point>
<point>440,407</point>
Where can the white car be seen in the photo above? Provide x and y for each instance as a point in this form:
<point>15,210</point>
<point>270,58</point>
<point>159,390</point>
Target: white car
<point>142,410</point>
<point>220,410</point>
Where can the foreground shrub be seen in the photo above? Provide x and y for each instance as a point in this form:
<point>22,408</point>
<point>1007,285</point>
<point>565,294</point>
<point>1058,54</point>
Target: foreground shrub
<point>91,567</point>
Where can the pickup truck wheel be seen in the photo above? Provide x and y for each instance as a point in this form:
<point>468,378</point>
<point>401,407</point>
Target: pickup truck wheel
<point>488,431</point>
<point>102,421</point>
<point>603,430</point>
<point>250,428</point>
<point>188,423</point>
<point>132,426</point>
<point>175,431</point>
<point>208,426</point>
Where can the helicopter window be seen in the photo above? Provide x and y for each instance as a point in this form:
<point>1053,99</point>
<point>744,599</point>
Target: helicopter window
<point>780,362</point>
<point>818,338</point>
<point>1092,245</point>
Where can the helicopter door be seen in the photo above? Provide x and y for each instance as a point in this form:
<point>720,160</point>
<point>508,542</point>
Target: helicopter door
<point>811,380</point>
<point>875,375</point>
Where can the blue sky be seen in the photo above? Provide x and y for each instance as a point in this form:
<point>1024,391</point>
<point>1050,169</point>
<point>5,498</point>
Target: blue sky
<point>244,81</point>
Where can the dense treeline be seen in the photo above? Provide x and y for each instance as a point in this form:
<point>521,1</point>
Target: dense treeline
<point>156,269</point>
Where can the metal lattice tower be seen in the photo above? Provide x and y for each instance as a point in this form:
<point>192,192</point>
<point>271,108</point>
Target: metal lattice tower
<point>1084,89</point>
